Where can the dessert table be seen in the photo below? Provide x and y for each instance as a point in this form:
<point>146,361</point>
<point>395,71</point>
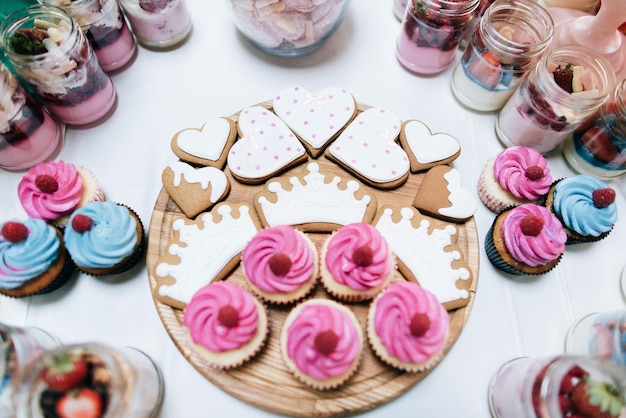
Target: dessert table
<point>217,73</point>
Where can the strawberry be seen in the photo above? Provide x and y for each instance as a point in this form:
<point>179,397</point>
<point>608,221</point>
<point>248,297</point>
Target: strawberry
<point>152,6</point>
<point>228,316</point>
<point>362,256</point>
<point>81,223</point>
<point>563,77</point>
<point>280,263</point>
<point>486,70</point>
<point>14,231</point>
<point>63,372</point>
<point>419,324</point>
<point>593,399</point>
<point>603,197</point>
<point>599,144</point>
<point>80,403</point>
<point>326,341</point>
<point>531,225</point>
<point>534,172</point>
<point>29,41</point>
<point>46,183</point>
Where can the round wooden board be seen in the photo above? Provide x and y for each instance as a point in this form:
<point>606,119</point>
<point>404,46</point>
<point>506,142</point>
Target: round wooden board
<point>264,381</point>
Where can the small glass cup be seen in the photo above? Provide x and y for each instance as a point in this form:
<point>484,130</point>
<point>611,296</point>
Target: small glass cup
<point>158,24</point>
<point>587,6</point>
<point>127,381</point>
<point>28,134</point>
<point>50,53</point>
<point>105,27</point>
<point>540,114</point>
<point>18,347</point>
<point>288,30</point>
<point>511,37</point>
<point>599,334</point>
<point>541,387</point>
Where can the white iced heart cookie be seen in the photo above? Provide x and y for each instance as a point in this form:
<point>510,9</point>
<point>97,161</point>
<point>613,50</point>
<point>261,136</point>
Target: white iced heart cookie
<point>207,145</point>
<point>442,195</point>
<point>266,146</point>
<point>426,149</point>
<point>367,148</point>
<point>315,117</point>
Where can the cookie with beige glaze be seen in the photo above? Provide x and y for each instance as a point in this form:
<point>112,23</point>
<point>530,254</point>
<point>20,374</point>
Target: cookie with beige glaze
<point>207,145</point>
<point>194,190</point>
<point>426,149</point>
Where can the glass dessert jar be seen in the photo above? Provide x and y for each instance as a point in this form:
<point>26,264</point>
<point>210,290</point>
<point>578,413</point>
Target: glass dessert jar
<point>18,346</point>
<point>558,387</point>
<point>601,335</point>
<point>158,24</point>
<point>50,53</point>
<point>105,27</point>
<point>511,37</point>
<point>566,86</point>
<point>431,32</point>
<point>28,134</point>
<point>288,28</point>
<point>598,146</point>
<point>110,383</point>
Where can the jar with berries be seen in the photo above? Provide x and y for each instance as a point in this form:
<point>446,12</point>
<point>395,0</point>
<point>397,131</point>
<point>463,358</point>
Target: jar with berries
<point>430,33</point>
<point>598,146</point>
<point>558,387</point>
<point>567,86</point>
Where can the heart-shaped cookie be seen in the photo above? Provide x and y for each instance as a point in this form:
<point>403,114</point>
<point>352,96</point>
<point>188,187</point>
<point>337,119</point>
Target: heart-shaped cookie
<point>426,149</point>
<point>315,117</point>
<point>442,195</point>
<point>368,149</point>
<point>194,189</point>
<point>266,146</point>
<point>208,145</point>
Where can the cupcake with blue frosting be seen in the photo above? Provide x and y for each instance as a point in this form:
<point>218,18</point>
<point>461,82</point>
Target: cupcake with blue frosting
<point>104,238</point>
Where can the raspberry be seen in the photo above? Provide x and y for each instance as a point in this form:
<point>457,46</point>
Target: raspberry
<point>531,225</point>
<point>419,324</point>
<point>46,183</point>
<point>534,172</point>
<point>14,232</point>
<point>228,316</point>
<point>362,256</point>
<point>280,264</point>
<point>82,223</point>
<point>326,341</point>
<point>603,197</point>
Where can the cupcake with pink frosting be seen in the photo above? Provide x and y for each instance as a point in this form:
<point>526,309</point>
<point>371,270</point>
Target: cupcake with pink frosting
<point>280,264</point>
<point>516,175</point>
<point>321,343</point>
<point>407,327</point>
<point>52,190</point>
<point>227,325</point>
<point>526,239</point>
<point>356,263</point>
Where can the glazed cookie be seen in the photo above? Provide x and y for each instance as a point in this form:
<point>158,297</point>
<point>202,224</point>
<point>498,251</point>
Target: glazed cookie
<point>426,250</point>
<point>208,145</point>
<point>295,200</point>
<point>266,147</point>
<point>368,150</point>
<point>425,149</point>
<point>315,117</point>
<point>194,189</point>
<point>203,251</point>
<point>442,195</point>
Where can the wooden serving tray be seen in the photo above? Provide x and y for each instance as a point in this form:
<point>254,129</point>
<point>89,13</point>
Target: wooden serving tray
<point>265,382</point>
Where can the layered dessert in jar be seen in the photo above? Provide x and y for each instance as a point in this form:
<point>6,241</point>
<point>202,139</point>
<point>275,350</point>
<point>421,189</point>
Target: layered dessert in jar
<point>49,51</point>
<point>601,335</point>
<point>158,23</point>
<point>28,134</point>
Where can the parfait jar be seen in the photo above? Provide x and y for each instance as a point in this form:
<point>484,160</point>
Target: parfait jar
<point>291,28</point>
<point>105,27</point>
<point>567,86</point>
<point>558,387</point>
<point>598,146</point>
<point>511,37</point>
<point>119,382</point>
<point>50,53</point>
<point>158,24</point>
<point>431,32</point>
<point>28,134</point>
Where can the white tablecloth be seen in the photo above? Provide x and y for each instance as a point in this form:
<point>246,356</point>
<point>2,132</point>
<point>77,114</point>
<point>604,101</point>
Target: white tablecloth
<point>216,73</point>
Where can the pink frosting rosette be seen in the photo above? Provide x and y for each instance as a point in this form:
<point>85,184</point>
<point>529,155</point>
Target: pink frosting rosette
<point>523,172</point>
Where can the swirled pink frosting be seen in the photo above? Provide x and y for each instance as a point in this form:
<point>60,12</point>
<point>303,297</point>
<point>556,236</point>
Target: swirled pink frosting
<point>51,206</point>
<point>201,317</point>
<point>533,250</point>
<point>342,267</point>
<point>313,319</point>
<point>510,171</point>
<point>394,312</point>
<point>279,240</point>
